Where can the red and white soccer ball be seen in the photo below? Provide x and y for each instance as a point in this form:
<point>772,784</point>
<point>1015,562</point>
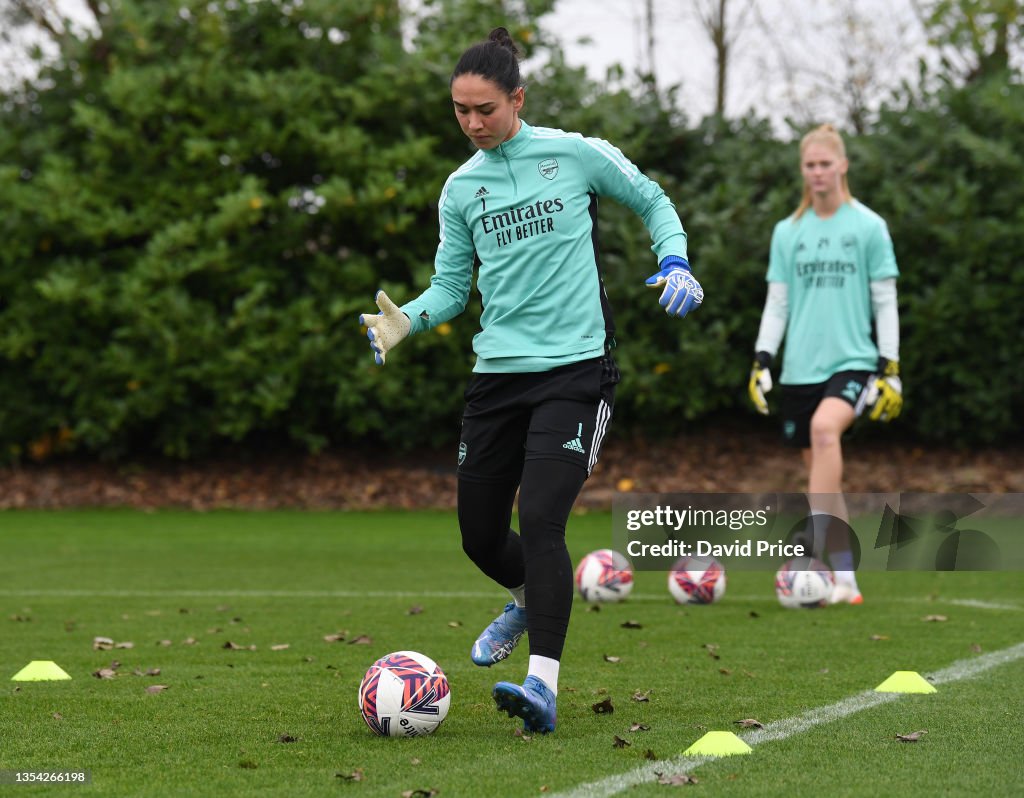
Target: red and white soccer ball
<point>804,582</point>
<point>404,694</point>
<point>604,575</point>
<point>696,580</point>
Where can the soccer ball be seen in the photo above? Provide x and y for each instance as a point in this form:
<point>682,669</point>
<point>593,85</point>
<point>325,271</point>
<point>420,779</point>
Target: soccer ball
<point>696,580</point>
<point>804,582</point>
<point>604,575</point>
<point>404,694</point>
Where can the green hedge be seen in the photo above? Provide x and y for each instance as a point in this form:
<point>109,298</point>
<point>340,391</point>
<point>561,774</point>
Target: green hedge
<point>198,205</point>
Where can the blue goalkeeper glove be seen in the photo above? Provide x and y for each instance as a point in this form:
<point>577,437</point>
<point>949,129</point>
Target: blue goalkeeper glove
<point>386,329</point>
<point>885,391</point>
<point>760,381</point>
<point>681,292</point>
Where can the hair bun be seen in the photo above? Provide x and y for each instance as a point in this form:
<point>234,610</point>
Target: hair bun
<point>502,37</point>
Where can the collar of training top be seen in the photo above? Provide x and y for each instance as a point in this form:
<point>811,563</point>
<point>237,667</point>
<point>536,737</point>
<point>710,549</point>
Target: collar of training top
<point>514,145</point>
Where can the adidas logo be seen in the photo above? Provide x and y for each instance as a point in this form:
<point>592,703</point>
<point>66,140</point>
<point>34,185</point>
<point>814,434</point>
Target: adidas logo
<point>481,192</point>
<point>576,445</point>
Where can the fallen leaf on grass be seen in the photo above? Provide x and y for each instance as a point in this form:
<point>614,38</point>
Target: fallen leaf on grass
<point>603,707</point>
<point>454,624</point>
<point>748,723</point>
<point>631,625</point>
<point>355,775</point>
<point>639,727</point>
<point>105,673</point>
<point>522,735</point>
<point>913,737</point>
<point>156,688</point>
<point>429,793</point>
<point>725,671</point>
<point>102,643</point>
<point>642,696</point>
<point>878,637</point>
<point>676,780</point>
<point>58,716</point>
<point>594,608</point>
<point>165,643</point>
<point>280,647</point>
<point>618,742</point>
<point>976,648</point>
<point>287,738</point>
<point>416,609</point>
<point>609,658</point>
<point>753,614</point>
<point>712,649</point>
<point>362,640</point>
<point>235,647</point>
<point>337,637</point>
<point>935,618</point>
<point>415,761</point>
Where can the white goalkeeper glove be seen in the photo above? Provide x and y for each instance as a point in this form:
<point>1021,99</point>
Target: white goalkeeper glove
<point>760,381</point>
<point>885,391</point>
<point>681,292</point>
<point>386,329</point>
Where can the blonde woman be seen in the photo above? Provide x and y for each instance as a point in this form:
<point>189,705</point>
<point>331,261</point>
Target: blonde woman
<point>831,283</point>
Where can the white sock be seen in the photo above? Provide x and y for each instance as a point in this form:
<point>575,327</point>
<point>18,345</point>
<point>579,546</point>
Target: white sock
<point>847,578</point>
<point>545,669</point>
<point>817,526</point>
<point>518,595</point>
<point>841,560</point>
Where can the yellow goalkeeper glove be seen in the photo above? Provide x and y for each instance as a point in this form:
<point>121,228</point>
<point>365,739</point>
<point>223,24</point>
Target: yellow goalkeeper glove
<point>885,391</point>
<point>385,330</point>
<point>760,381</point>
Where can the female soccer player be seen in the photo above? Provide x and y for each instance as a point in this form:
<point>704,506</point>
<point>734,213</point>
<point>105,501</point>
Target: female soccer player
<point>540,400</point>
<point>831,271</point>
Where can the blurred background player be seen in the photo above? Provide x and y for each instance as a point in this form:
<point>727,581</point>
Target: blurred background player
<point>539,403</point>
<point>831,272</point>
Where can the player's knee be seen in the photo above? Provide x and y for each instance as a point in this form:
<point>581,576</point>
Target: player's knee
<point>824,434</point>
<point>480,547</point>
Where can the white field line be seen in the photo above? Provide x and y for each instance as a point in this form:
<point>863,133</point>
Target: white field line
<point>781,729</point>
<point>767,597</point>
<point>229,593</point>
<point>982,605</point>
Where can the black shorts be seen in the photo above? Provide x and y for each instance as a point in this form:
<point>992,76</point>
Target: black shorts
<point>562,414</point>
<point>800,401</point>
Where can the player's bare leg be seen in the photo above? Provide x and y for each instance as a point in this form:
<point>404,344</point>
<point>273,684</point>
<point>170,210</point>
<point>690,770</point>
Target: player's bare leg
<point>824,485</point>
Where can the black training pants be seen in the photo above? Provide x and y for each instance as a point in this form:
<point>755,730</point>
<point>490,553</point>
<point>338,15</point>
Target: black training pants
<point>539,434</point>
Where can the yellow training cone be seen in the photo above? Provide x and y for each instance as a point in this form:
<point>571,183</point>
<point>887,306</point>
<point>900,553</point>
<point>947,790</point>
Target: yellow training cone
<point>40,670</point>
<point>905,682</point>
<point>719,743</point>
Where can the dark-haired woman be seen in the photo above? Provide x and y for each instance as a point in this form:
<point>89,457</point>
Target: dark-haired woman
<point>540,400</point>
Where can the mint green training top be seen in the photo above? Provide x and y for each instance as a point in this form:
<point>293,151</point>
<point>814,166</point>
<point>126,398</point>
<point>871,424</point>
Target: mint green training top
<point>527,209</point>
<point>828,265</point>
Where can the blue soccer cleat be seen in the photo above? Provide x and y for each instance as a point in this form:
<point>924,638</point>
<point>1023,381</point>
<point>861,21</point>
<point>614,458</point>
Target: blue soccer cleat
<point>500,637</point>
<point>533,702</point>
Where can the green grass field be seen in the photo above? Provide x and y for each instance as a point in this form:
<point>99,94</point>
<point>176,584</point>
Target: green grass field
<point>259,721</point>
